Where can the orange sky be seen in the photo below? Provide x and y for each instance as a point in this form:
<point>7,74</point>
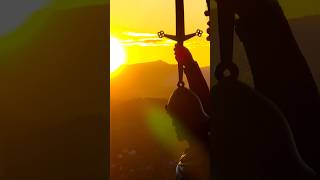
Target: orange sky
<point>136,23</point>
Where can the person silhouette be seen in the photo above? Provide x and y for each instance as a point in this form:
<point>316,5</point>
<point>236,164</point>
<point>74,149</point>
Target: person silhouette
<point>251,138</point>
<point>255,131</point>
<point>280,71</point>
<point>191,125</point>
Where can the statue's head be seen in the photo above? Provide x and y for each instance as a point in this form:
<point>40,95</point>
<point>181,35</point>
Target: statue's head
<point>188,115</point>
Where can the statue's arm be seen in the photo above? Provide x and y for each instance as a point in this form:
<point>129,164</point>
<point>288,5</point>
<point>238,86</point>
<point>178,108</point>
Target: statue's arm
<point>196,81</point>
<point>198,84</point>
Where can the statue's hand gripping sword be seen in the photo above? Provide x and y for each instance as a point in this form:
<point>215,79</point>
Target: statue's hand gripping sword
<point>180,36</point>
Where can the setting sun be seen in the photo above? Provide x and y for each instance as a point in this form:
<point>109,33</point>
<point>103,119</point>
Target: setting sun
<point>117,54</point>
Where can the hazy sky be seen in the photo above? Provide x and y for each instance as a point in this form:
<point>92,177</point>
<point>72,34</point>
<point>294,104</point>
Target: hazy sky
<point>137,22</point>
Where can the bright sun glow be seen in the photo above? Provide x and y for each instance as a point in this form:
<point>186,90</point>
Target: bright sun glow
<point>117,54</point>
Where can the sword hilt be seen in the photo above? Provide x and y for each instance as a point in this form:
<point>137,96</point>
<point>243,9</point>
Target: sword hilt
<point>180,40</point>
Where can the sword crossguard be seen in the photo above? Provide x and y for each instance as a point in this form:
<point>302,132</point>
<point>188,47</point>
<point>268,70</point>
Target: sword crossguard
<point>198,33</point>
<point>161,34</point>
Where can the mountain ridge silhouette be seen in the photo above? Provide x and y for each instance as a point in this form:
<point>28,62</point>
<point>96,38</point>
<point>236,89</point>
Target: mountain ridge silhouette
<point>152,79</point>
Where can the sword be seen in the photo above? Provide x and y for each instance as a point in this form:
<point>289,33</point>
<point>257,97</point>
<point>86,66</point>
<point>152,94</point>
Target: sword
<point>180,36</point>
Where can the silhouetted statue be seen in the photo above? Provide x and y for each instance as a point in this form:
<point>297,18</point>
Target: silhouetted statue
<point>251,128</point>
<point>250,136</point>
<point>191,124</point>
<point>280,71</point>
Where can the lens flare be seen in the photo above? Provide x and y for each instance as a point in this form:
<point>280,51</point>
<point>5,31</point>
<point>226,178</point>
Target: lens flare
<point>117,54</point>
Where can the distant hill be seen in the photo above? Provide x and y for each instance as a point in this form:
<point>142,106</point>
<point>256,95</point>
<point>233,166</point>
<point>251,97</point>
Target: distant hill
<point>153,79</point>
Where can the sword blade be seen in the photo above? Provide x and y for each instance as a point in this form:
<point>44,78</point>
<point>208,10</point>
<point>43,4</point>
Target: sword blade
<point>180,30</point>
